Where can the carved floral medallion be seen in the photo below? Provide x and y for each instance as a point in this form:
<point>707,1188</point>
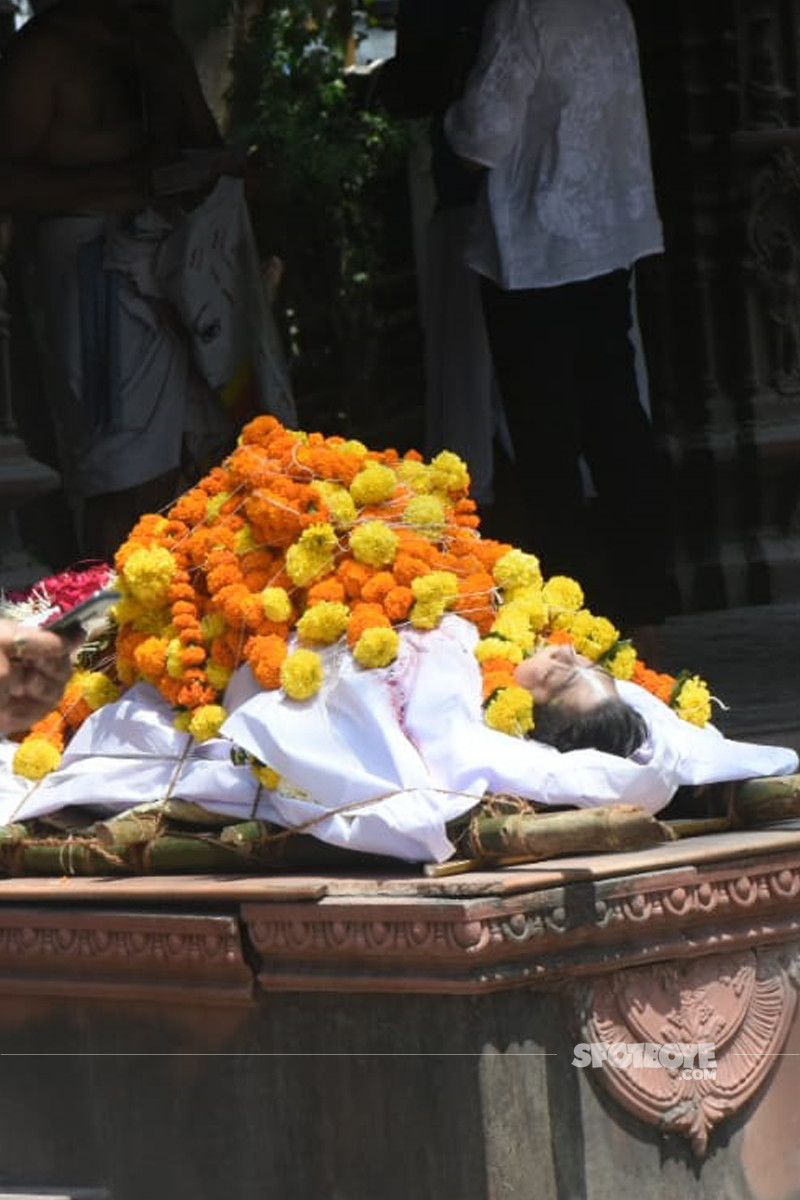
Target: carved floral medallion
<point>742,1003</point>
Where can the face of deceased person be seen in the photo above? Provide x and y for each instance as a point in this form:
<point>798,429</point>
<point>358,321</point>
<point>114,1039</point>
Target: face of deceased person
<point>559,675</point>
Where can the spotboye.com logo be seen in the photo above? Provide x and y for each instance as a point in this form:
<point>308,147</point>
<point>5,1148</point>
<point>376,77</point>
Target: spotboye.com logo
<point>693,1060</point>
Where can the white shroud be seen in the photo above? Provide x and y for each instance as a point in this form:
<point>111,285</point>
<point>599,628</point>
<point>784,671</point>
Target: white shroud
<point>378,761</point>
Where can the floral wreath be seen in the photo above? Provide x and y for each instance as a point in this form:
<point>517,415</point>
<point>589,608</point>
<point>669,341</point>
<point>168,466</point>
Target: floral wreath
<point>322,538</point>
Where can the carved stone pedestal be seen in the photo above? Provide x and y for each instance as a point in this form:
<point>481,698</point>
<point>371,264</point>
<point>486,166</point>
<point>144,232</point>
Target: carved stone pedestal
<point>358,1037</point>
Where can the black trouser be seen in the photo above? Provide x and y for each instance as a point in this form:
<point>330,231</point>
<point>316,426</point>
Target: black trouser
<point>566,372</point>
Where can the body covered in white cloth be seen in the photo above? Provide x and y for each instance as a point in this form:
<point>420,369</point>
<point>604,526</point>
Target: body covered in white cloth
<point>379,760</point>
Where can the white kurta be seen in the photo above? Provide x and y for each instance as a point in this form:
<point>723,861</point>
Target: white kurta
<point>378,761</point>
<point>554,108</point>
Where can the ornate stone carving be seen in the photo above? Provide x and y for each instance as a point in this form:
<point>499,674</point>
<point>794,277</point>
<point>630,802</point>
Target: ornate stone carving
<point>380,944</point>
<point>773,240</point>
<point>742,1003</point>
<point>96,953</point>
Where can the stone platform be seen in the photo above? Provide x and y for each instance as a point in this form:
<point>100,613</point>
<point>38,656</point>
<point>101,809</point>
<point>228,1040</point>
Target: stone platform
<point>398,1036</point>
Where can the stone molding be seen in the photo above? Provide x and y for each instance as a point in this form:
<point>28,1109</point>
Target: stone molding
<point>582,929</point>
<point>361,942</point>
<point>743,1003</point>
<point>118,955</point>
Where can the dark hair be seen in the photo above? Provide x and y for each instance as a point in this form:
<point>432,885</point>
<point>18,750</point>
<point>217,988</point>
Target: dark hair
<point>612,726</point>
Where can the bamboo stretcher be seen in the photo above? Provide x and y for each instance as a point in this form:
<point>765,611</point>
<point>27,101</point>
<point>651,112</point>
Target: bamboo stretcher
<point>173,837</point>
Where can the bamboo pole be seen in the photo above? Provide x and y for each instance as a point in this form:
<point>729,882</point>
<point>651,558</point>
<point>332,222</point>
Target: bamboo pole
<point>531,836</point>
<point>763,801</point>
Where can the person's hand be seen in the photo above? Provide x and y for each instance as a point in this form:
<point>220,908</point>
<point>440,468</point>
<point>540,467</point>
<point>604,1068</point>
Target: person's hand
<point>35,666</point>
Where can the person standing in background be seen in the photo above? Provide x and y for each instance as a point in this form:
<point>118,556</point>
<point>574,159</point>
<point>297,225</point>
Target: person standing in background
<point>437,43</point>
<point>552,120</point>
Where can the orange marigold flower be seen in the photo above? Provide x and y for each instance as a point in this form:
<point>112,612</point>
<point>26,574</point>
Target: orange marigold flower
<point>398,603</point>
<point>657,684</point>
<point>492,680</point>
<point>75,711</point>
<point>221,653</point>
<point>416,546</point>
<point>267,628</point>
<point>259,430</point>
<point>170,689</point>
<point>560,637</point>
<point>181,591</point>
<point>195,693</point>
<point>327,589</point>
<point>354,575</point>
<point>214,482</point>
<point>407,568</point>
<point>223,576</point>
<point>489,551</point>
<point>150,657</point>
<point>190,507</point>
<point>51,728</point>
<point>193,656</point>
<point>266,656</point>
<point>376,589</point>
<point>365,616</point>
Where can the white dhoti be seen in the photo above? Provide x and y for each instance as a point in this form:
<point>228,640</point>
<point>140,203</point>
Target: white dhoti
<point>146,328</point>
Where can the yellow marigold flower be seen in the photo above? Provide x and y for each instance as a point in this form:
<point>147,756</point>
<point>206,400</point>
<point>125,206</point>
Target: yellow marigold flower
<point>621,661</point>
<point>276,604</point>
<point>425,514</point>
<point>373,485</point>
<point>323,623</point>
<point>97,689</point>
<point>312,554</point>
<point>339,503</point>
<point>301,674</point>
<point>181,721</point>
<point>206,721</point>
<point>415,475</point>
<point>511,711</point>
<point>320,539</point>
<point>148,574</point>
<point>516,626</point>
<point>693,701</point>
<point>594,636</point>
<point>604,635</point>
<point>448,473</point>
<point>562,594</point>
<point>174,661</point>
<point>126,610</point>
<point>244,542</point>
<point>302,567</point>
<point>215,505</point>
<point>218,676</point>
<point>376,648</point>
<point>426,614</point>
<point>439,587</point>
<point>213,625</point>
<point>153,621</point>
<point>530,601</point>
<point>495,647</point>
<point>268,778</point>
<point>36,758</point>
<point>354,446</point>
<point>516,569</point>
<point>374,543</point>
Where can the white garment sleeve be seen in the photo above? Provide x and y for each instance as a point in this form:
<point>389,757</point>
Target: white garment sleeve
<point>486,122</point>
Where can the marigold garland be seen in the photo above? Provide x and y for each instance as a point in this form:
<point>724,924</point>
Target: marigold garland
<point>320,536</point>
